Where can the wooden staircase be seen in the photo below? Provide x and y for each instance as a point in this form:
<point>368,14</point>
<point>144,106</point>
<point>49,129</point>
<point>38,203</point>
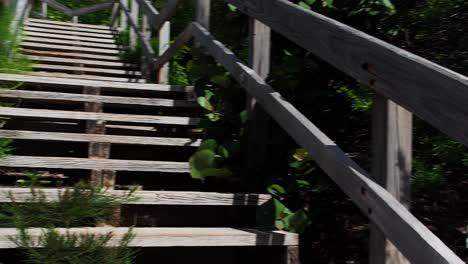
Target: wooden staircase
<point>84,114</point>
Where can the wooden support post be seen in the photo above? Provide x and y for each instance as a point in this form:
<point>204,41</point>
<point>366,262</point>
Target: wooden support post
<point>133,33</point>
<point>291,255</point>
<point>75,19</point>
<point>96,150</point>
<point>114,15</point>
<point>145,65</point>
<point>44,10</point>
<point>164,43</point>
<point>202,12</point>
<point>391,167</point>
<point>123,16</point>
<point>259,61</point>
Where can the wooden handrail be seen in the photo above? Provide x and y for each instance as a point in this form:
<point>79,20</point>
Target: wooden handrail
<point>182,39</point>
<point>415,240</point>
<point>80,11</point>
<point>156,19</point>
<point>403,77</point>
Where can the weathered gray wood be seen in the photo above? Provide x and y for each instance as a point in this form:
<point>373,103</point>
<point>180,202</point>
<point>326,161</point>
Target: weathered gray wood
<point>70,42</point>
<point>123,140</point>
<point>45,21</point>
<point>165,14</point>
<point>64,82</point>
<point>135,28</point>
<point>44,10</point>
<point>69,32</point>
<point>164,43</point>
<point>70,28</point>
<point>112,100</point>
<point>86,69</point>
<point>70,48</point>
<point>391,161</point>
<point>258,132</point>
<point>170,237</point>
<point>181,40</point>
<point>72,55</point>
<point>92,8</point>
<point>114,15</point>
<point>149,197</point>
<point>407,79</point>
<point>87,77</point>
<point>54,37</point>
<point>149,11</point>
<point>202,12</point>
<point>123,16</point>
<point>291,255</point>
<point>58,6</point>
<point>84,62</point>
<point>146,63</point>
<point>396,222</point>
<point>114,118</point>
<point>94,164</point>
<point>21,11</point>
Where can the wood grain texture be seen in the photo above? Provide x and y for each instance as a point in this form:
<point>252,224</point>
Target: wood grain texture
<point>114,118</point>
<point>88,77</point>
<point>171,237</point>
<point>72,55</point>
<point>94,164</point>
<point>114,72</point>
<point>113,100</point>
<point>71,42</point>
<point>70,48</point>
<point>148,197</point>
<point>164,43</point>
<point>68,32</point>
<point>182,39</point>
<point>64,82</point>
<point>70,28</point>
<point>68,37</point>
<point>74,137</point>
<point>432,92</point>
<point>81,61</point>
<point>45,21</point>
<point>396,222</point>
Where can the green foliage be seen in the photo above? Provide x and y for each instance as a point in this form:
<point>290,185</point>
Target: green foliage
<point>75,249</point>
<point>101,17</point>
<point>80,206</point>
<point>5,147</point>
<point>33,179</point>
<point>178,74</point>
<point>427,177</point>
<point>208,160</point>
<point>360,96</point>
<point>275,215</point>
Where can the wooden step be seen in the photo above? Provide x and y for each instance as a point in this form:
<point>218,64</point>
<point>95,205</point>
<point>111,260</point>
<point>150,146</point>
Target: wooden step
<point>149,197</point>
<point>45,21</point>
<point>171,237</point>
<point>68,48</point>
<point>88,77</point>
<point>71,42</point>
<point>70,28</point>
<point>73,55</point>
<point>80,61</point>
<point>64,82</point>
<point>111,118</point>
<point>64,32</point>
<point>113,139</point>
<point>68,37</point>
<point>61,68</point>
<point>114,100</point>
<point>38,162</point>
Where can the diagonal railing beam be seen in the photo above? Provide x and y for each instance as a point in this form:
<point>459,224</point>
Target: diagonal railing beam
<point>92,8</point>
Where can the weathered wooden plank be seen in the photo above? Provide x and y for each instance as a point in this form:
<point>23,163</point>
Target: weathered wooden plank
<point>53,37</point>
<point>149,11</point>
<point>113,100</point>
<point>114,118</point>
<point>171,237</point>
<point>114,15</point>
<point>396,222</point>
<point>71,42</point>
<point>391,162</point>
<point>92,8</point>
<point>166,13</point>
<point>72,55</point>
<point>181,40</point>
<point>123,16</point>
<point>164,43</point>
<point>86,69</point>
<point>44,12</point>
<point>22,9</point>
<point>58,6</point>
<point>432,92</point>
<point>87,77</point>
<point>64,82</point>
<point>94,164</point>
<point>70,48</point>
<point>202,12</point>
<point>69,32</point>
<point>45,21</point>
<point>80,61</point>
<point>122,140</point>
<point>135,28</point>
<point>70,28</point>
<point>149,197</point>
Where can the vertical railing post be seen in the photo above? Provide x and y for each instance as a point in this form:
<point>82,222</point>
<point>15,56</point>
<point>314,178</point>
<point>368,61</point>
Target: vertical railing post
<point>75,19</point>
<point>114,15</point>
<point>164,43</point>
<point>145,64</point>
<point>391,167</point>
<point>133,33</point>
<point>259,61</point>
<point>123,16</point>
<point>202,12</point>
<point>44,10</point>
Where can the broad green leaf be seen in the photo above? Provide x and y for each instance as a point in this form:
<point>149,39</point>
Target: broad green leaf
<point>232,8</point>
<point>300,154</point>
<point>214,116</point>
<point>209,144</point>
<point>244,116</point>
<point>297,222</point>
<point>276,189</point>
<point>208,94</point>
<point>201,160</point>
<point>216,172</point>
<point>222,150</point>
<point>203,102</point>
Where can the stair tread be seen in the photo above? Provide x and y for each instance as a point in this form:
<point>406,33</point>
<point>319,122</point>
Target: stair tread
<point>68,37</point>
<point>71,42</point>
<point>111,118</point>
<point>88,77</point>
<point>110,58</point>
<point>41,66</point>
<point>82,61</point>
<point>71,28</point>
<point>173,237</point>
<point>150,197</point>
<point>35,45</point>
<point>65,32</point>
<point>94,164</point>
